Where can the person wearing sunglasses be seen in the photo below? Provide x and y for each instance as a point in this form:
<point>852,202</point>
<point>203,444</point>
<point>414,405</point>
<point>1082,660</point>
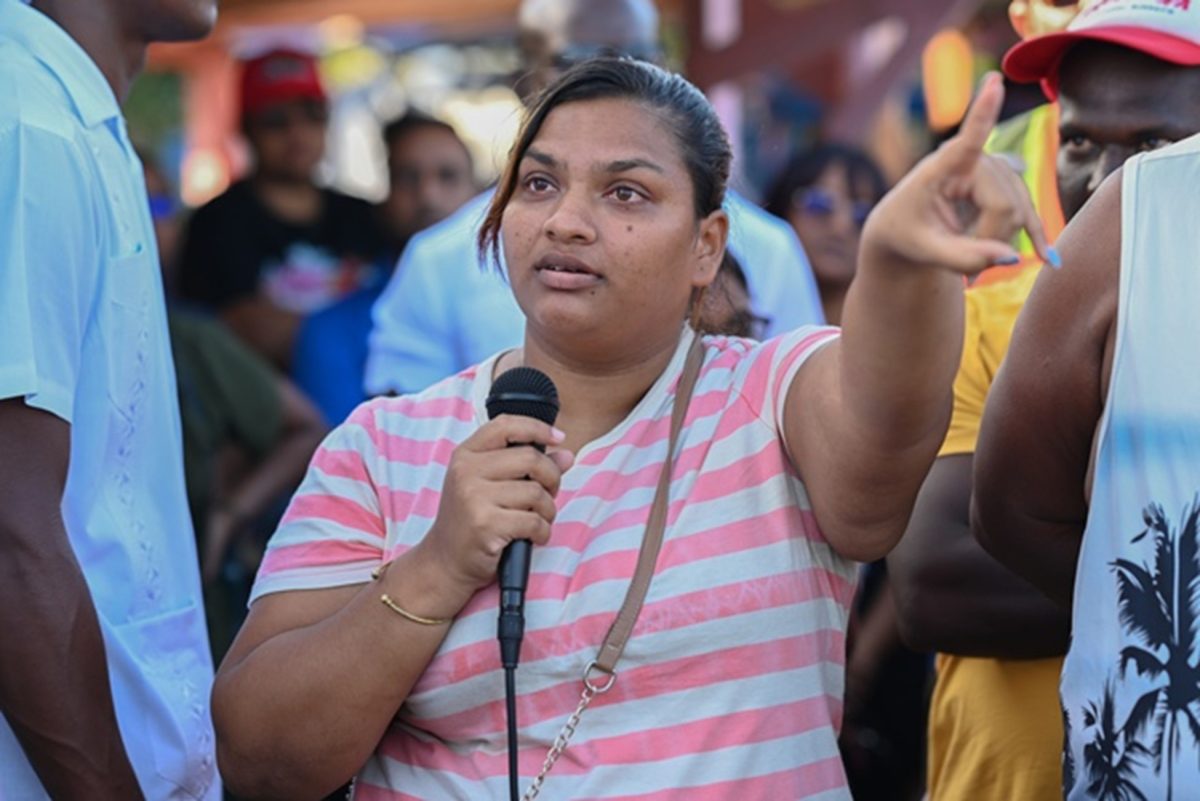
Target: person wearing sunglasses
<point>826,194</point>
<point>276,247</point>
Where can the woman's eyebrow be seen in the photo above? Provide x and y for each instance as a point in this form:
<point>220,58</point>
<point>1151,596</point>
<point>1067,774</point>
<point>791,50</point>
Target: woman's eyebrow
<point>544,159</point>
<point>612,167</point>
<point>625,165</point>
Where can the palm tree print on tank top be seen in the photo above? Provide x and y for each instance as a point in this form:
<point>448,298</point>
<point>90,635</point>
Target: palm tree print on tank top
<point>1159,608</point>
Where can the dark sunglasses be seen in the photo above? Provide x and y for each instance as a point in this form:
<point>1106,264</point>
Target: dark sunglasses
<point>278,118</point>
<point>817,202</point>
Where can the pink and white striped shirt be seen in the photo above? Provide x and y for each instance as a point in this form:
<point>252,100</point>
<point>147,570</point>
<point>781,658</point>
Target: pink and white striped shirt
<point>731,684</point>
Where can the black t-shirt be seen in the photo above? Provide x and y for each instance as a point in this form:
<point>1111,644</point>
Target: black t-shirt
<point>235,248</point>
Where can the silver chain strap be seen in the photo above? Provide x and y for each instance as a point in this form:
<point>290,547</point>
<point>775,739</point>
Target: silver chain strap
<point>590,690</point>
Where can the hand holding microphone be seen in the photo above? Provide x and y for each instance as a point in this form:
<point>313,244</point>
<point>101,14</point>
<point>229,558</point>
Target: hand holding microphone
<point>497,502</point>
<point>494,494</point>
<point>530,394</point>
<point>525,392</point>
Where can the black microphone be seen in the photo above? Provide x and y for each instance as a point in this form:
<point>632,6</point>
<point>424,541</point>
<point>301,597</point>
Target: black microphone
<point>530,393</point>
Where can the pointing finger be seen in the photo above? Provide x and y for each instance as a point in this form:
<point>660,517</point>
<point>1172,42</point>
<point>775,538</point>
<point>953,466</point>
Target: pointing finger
<point>964,150</point>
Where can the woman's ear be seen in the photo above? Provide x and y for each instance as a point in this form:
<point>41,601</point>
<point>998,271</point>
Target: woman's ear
<point>711,238</point>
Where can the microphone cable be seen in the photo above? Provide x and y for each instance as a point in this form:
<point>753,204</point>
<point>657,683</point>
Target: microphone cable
<point>510,706</point>
<point>527,392</point>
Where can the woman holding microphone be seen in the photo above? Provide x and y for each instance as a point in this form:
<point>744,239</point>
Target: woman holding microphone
<point>789,460</point>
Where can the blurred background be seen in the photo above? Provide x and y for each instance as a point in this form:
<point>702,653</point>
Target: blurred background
<point>893,76</point>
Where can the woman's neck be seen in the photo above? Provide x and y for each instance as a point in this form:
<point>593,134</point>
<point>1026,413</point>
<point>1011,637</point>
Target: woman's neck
<point>594,397</point>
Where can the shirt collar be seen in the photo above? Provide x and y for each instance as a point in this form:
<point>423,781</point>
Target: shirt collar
<point>90,93</point>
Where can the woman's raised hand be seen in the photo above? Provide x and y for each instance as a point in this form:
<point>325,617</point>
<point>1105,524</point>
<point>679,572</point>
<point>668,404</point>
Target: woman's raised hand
<point>494,494</point>
<point>960,208</point>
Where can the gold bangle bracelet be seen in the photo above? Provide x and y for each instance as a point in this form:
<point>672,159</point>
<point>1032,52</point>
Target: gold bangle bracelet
<point>387,601</point>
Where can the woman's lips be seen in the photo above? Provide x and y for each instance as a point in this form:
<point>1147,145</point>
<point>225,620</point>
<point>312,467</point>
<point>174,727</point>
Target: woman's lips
<point>565,273</point>
<point>566,280</point>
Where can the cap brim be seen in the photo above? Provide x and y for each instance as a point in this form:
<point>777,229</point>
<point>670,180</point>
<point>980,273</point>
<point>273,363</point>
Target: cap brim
<point>1038,60</point>
<point>278,95</point>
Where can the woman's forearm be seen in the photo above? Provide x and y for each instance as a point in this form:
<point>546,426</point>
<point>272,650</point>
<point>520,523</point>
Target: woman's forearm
<point>875,433</point>
<point>300,713</point>
<point>901,346</point>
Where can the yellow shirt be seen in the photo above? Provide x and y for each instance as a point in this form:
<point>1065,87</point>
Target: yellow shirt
<point>995,725</point>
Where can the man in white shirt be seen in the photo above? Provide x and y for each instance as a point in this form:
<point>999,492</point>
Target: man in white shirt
<point>444,310</point>
<point>105,671</point>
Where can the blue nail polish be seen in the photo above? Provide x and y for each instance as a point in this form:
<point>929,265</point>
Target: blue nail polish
<point>1053,257</point>
<point>1008,261</point>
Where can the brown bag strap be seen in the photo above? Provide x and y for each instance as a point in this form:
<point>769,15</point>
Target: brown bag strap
<point>622,627</point>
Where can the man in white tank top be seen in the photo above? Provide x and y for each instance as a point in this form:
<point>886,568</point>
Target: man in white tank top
<point>995,727</point>
<point>1088,465</point>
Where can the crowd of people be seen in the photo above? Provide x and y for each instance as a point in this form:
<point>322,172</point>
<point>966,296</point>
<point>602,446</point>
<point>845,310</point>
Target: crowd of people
<point>863,561</point>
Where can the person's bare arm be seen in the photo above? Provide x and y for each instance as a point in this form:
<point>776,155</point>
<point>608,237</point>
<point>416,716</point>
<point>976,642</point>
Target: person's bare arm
<point>1031,466</point>
<point>865,416</point>
<point>269,330</point>
<point>279,471</point>
<point>54,685</point>
<point>315,677</point>
<point>953,596</point>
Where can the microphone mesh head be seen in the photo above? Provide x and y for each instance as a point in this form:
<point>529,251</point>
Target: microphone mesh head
<point>524,391</point>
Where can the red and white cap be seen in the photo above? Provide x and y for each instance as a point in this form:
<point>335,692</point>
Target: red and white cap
<point>1165,29</point>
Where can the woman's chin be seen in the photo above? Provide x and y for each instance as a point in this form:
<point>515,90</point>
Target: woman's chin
<point>573,313</point>
<point>564,325</point>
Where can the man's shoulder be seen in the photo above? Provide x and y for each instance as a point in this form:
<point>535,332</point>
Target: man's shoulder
<point>35,99</point>
<point>43,143</point>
